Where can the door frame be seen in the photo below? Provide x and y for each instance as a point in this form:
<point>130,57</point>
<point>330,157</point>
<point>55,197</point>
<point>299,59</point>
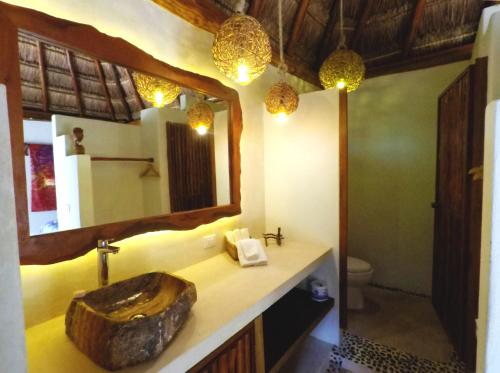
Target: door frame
<point>343,208</point>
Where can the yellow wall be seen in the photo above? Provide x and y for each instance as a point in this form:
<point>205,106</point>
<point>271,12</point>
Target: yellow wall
<point>488,321</point>
<point>302,186</point>
<point>47,290</point>
<point>392,162</point>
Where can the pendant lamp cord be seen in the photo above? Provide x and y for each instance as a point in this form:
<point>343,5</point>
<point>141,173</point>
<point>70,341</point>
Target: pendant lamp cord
<point>240,7</point>
<point>342,36</point>
<point>282,66</point>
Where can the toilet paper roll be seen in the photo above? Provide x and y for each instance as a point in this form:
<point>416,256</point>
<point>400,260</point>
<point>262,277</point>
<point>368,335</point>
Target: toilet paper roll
<point>319,291</point>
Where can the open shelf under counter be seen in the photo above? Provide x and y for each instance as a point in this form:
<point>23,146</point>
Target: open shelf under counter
<point>288,322</point>
<point>229,298</point>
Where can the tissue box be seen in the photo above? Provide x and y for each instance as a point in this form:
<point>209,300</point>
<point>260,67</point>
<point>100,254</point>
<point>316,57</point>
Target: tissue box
<point>231,249</point>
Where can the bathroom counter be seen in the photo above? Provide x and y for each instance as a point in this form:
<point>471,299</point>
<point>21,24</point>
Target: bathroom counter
<point>229,297</point>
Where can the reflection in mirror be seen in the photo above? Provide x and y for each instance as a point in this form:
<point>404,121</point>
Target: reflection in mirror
<point>97,151</point>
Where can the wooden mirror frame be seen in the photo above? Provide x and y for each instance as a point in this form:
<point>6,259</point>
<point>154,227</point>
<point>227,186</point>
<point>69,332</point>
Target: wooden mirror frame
<point>65,245</point>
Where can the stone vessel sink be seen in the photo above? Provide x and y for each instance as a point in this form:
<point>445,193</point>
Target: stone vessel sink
<point>130,321</point>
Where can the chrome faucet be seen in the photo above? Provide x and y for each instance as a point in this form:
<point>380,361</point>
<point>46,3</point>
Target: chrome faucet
<point>103,249</point>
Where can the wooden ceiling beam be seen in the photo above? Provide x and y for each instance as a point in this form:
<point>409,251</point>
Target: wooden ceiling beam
<point>123,95</point>
<point>360,26</point>
<point>418,14</point>
<point>36,115</point>
<point>102,79</point>
<point>297,68</point>
<point>209,17</point>
<point>460,53</point>
<point>254,8</point>
<point>201,13</point>
<point>43,76</point>
<point>74,82</point>
<point>327,34</point>
<point>300,15</point>
<point>136,92</point>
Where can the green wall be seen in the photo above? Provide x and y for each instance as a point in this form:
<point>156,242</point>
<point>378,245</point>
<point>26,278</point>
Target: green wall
<point>392,163</point>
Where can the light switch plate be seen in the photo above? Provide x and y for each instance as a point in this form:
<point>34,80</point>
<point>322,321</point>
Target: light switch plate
<point>209,241</point>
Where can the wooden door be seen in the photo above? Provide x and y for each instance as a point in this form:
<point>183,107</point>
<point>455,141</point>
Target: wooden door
<point>455,288</point>
<point>191,168</point>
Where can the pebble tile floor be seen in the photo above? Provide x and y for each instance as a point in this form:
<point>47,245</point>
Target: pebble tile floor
<point>396,332</point>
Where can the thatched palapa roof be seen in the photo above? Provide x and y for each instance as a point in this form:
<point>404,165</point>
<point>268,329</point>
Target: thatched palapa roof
<point>387,33</point>
<point>56,80</point>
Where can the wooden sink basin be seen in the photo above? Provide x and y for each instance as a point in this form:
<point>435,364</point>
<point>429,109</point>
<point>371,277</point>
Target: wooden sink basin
<point>130,321</point>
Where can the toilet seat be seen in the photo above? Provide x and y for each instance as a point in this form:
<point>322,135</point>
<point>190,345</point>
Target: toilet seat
<point>356,265</point>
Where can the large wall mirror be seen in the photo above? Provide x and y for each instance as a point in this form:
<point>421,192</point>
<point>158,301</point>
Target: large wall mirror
<point>108,142</point>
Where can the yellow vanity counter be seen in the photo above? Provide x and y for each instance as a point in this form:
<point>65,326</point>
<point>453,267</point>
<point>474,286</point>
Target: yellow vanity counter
<point>229,297</point>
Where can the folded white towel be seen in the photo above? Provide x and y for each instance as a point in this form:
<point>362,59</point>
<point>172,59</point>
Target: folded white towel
<point>251,252</point>
<point>250,248</point>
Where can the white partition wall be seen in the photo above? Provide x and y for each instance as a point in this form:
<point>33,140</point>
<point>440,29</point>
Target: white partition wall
<point>302,184</point>
<point>221,146</point>
<point>488,322</point>
<point>12,347</point>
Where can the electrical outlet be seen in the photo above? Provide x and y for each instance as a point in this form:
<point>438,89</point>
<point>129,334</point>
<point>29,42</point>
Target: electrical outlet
<point>209,241</point>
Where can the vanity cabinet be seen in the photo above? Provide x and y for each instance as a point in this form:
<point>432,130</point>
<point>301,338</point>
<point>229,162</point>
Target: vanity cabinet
<point>266,344</point>
<point>243,353</point>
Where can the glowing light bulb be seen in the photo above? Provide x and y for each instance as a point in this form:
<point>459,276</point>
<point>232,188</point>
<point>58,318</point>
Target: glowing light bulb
<point>158,99</point>
<point>243,77</point>
<point>281,117</point>
<point>202,129</point>
<point>341,84</point>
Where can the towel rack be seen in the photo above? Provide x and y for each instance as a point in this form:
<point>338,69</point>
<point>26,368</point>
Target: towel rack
<point>149,160</point>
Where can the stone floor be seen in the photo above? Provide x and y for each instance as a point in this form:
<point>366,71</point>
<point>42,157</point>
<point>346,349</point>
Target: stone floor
<point>406,322</point>
<point>311,357</point>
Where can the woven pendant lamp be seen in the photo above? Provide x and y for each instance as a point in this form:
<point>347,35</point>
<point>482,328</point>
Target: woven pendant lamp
<point>159,92</point>
<point>201,117</point>
<point>281,100</point>
<point>344,68</point>
<point>241,48</point>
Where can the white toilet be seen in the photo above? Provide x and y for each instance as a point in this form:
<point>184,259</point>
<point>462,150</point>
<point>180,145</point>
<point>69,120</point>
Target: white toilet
<point>359,274</point>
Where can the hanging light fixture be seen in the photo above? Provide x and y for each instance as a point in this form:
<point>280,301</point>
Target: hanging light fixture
<point>159,92</point>
<point>201,117</point>
<point>344,68</point>
<point>281,100</point>
<point>241,48</point>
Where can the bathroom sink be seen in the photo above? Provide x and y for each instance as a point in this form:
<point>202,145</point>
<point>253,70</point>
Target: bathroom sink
<point>130,321</point>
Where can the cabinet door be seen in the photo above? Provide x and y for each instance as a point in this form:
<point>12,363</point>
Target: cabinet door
<point>240,354</point>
